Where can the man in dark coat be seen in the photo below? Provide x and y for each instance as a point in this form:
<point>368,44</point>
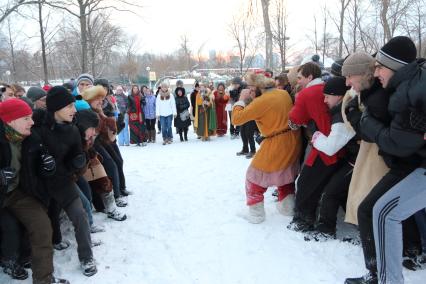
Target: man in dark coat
<point>63,141</point>
<point>23,160</point>
<point>391,62</point>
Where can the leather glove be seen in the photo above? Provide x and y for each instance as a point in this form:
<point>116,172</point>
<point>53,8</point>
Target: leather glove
<point>353,114</point>
<point>6,175</point>
<point>48,162</point>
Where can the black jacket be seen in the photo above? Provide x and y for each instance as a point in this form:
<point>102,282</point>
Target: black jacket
<point>32,176</point>
<point>397,138</point>
<point>131,105</point>
<point>63,141</point>
<point>182,104</point>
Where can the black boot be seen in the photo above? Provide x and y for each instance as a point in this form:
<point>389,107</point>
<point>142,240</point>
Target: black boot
<point>15,270</point>
<point>185,134</point>
<point>369,278</point>
<point>180,135</point>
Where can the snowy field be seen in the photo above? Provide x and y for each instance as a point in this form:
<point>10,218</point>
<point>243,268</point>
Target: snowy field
<point>183,228</point>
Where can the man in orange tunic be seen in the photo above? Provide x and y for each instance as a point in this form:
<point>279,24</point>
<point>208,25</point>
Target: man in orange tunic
<point>277,161</point>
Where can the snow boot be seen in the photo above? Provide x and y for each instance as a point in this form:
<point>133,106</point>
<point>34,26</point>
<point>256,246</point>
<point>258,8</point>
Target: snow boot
<point>62,245</point>
<point>89,267</point>
<point>96,229</point>
<point>55,280</point>
<point>117,215</point>
<point>286,206</point>
<point>256,213</point>
<point>153,136</point>
<point>185,134</point>
<point>120,202</point>
<point>369,278</point>
<point>125,192</point>
<point>242,153</point>
<point>250,155</point>
<point>300,225</point>
<point>319,236</point>
<point>14,270</point>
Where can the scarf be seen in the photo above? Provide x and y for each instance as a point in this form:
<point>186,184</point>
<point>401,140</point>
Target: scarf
<point>12,135</point>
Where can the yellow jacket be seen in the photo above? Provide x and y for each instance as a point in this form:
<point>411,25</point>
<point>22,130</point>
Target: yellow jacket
<point>270,111</point>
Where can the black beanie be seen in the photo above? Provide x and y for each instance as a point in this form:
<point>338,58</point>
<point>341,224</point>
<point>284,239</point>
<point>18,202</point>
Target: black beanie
<point>85,119</point>
<point>397,52</point>
<point>336,86</point>
<point>336,67</point>
<point>57,98</point>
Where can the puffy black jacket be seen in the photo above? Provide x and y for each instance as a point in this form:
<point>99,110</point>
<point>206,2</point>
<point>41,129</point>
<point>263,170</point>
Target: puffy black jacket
<point>397,138</point>
<point>32,176</point>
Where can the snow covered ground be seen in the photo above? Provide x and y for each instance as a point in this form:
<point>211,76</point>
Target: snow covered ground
<point>183,227</point>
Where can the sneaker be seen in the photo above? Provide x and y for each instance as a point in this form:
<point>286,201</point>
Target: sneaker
<point>59,281</point>
<point>89,267</point>
<point>62,245</point>
<point>96,229</point>
<point>369,278</point>
<point>117,215</point>
<point>120,202</point>
<point>250,155</point>
<point>14,270</point>
<point>242,153</point>
<point>319,236</point>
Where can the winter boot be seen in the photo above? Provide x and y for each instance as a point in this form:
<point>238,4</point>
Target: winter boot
<point>117,215</point>
<point>96,229</point>
<point>369,278</point>
<point>300,225</point>
<point>256,213</point>
<point>242,153</point>
<point>319,236</point>
<point>153,136</point>
<point>89,267</point>
<point>120,202</point>
<point>185,134</point>
<point>180,135</point>
<point>286,206</point>
<point>250,155</point>
<point>55,280</point>
<point>125,192</point>
<point>62,245</point>
<point>14,270</point>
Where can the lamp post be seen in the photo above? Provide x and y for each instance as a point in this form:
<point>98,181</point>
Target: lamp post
<point>147,75</point>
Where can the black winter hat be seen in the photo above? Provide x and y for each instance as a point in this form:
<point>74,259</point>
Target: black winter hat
<point>59,97</point>
<point>85,119</point>
<point>397,52</point>
<point>102,81</point>
<point>35,93</point>
<point>336,67</point>
<point>237,81</point>
<point>336,86</point>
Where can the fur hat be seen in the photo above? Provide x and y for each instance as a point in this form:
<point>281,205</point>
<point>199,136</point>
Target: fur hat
<point>36,93</point>
<point>397,52</point>
<point>336,86</point>
<point>86,118</point>
<point>358,63</point>
<point>13,109</point>
<point>93,93</point>
<point>259,80</point>
<point>59,97</point>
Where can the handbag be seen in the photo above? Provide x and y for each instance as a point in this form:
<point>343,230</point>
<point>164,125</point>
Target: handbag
<point>184,115</point>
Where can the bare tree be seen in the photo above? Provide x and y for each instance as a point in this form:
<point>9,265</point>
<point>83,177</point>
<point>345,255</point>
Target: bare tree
<point>185,52</point>
<point>280,29</point>
<point>81,9</point>
<point>340,23</point>
<point>12,6</point>
<point>391,15</point>
<point>415,23</point>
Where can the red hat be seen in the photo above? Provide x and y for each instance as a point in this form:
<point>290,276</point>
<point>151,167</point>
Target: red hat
<point>47,87</point>
<point>13,109</point>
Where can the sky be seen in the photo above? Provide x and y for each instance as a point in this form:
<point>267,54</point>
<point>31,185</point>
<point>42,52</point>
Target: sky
<point>160,23</point>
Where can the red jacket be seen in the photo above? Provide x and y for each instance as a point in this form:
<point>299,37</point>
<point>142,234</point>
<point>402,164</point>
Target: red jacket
<point>309,105</point>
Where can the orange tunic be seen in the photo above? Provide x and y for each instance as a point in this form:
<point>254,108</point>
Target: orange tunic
<point>270,111</point>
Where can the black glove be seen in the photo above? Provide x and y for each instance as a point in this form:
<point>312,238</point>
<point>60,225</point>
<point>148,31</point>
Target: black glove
<point>353,114</point>
<point>6,175</point>
<point>48,162</point>
<point>418,121</point>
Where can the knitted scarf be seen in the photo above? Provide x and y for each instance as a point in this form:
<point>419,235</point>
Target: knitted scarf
<point>12,135</point>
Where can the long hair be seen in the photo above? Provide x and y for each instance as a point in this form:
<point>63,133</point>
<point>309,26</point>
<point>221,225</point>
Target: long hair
<point>138,92</point>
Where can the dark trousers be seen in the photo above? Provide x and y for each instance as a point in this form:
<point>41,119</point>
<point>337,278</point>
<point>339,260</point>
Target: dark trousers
<point>54,213</point>
<point>335,195</point>
<point>183,131</point>
<point>12,233</point>
<point>309,188</point>
<point>150,124</point>
<point>110,169</point>
<point>247,135</point>
<point>32,214</point>
<point>118,159</point>
<point>365,218</point>
<point>80,222</point>
<point>233,130</point>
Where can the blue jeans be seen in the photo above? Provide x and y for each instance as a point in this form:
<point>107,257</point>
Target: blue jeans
<point>123,136</point>
<point>166,127</point>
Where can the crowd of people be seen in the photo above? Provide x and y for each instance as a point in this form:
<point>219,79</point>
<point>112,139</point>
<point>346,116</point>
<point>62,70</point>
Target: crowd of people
<point>353,138</point>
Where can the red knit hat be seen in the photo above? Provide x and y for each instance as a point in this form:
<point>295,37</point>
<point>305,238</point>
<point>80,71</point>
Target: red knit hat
<point>13,109</point>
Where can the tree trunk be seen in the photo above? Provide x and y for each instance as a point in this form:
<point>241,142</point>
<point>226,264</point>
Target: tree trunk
<point>268,35</point>
<point>83,32</point>
<point>12,53</point>
<point>43,44</point>
<point>384,20</point>
<point>342,18</point>
<point>355,25</point>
